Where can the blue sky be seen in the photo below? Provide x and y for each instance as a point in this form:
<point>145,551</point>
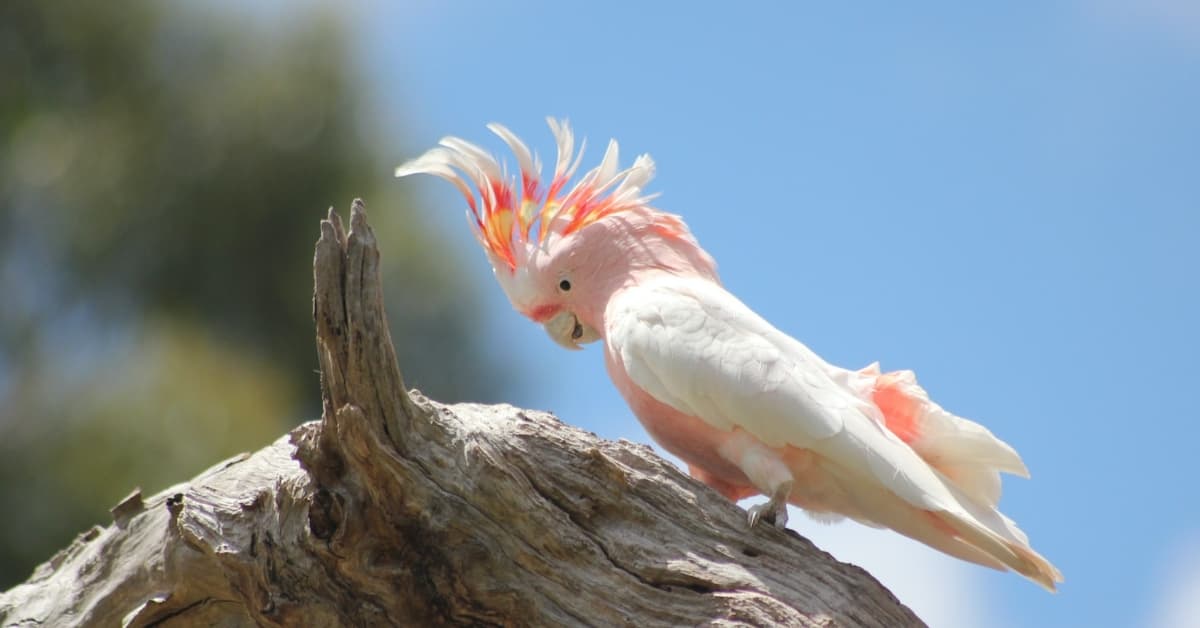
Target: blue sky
<point>1004,199</point>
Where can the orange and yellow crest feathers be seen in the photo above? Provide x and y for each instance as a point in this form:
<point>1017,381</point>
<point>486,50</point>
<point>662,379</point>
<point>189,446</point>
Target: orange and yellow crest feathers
<point>510,213</point>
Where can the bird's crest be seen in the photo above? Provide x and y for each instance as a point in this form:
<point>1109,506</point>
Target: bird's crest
<point>508,214</point>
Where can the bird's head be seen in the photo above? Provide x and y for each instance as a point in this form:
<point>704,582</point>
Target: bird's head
<point>559,253</point>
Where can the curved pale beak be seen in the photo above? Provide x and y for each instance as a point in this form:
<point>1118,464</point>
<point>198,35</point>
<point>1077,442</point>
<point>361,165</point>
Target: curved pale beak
<point>568,332</point>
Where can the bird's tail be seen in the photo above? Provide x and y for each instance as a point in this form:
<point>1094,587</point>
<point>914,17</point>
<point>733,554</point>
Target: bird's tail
<point>965,452</point>
<point>969,458</point>
<point>987,529</point>
<point>968,530</point>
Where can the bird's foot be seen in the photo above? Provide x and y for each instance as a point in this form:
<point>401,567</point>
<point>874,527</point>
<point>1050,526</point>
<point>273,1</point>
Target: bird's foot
<point>774,510</point>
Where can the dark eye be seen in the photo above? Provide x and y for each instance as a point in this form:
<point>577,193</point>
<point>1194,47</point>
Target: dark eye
<point>564,285</point>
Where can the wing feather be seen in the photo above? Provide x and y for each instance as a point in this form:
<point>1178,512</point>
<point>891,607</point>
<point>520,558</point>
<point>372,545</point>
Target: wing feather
<point>693,346</point>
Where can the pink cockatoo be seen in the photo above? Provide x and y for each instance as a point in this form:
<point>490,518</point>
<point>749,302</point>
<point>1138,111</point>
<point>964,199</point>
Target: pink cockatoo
<point>750,409</point>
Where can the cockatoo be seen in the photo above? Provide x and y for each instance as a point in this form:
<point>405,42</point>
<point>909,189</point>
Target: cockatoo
<point>750,409</point>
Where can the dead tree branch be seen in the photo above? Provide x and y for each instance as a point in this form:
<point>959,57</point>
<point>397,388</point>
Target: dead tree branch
<point>397,510</point>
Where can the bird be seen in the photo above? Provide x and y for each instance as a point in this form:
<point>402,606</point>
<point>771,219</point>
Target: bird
<point>749,409</point>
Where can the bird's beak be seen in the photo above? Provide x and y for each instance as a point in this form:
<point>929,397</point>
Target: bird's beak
<point>568,332</point>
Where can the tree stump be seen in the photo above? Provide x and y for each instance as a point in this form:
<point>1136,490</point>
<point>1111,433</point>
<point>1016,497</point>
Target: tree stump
<point>394,509</point>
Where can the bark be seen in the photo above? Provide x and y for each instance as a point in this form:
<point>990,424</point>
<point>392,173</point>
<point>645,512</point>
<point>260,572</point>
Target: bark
<point>394,509</point>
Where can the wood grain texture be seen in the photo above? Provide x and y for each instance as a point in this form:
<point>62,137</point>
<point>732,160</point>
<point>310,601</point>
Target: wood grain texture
<point>397,510</point>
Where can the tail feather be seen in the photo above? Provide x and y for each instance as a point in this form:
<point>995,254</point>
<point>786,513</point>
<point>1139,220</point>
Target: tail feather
<point>988,529</point>
<point>872,504</point>
<point>967,453</point>
<point>1013,554</point>
<point>975,532</point>
<point>967,458</point>
<point>960,534</point>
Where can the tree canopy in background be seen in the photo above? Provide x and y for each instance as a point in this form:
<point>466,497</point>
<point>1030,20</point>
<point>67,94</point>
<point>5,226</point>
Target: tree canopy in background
<point>162,172</point>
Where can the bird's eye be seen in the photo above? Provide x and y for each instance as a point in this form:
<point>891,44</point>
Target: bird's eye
<point>564,285</point>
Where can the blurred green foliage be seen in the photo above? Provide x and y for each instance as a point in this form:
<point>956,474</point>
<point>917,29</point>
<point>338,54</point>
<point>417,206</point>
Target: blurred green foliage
<point>162,171</point>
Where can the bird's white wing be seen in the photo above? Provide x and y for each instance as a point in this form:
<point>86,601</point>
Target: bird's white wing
<point>693,346</point>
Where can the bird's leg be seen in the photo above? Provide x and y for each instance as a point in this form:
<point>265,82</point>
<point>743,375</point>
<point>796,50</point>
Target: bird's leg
<point>766,470</point>
<point>775,509</point>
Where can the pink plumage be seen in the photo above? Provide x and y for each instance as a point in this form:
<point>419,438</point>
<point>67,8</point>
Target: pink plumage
<point>749,408</point>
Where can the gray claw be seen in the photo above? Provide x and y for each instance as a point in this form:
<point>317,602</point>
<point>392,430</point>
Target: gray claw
<point>773,510</point>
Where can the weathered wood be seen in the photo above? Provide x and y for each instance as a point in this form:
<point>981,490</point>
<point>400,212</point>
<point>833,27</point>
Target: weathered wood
<point>397,510</point>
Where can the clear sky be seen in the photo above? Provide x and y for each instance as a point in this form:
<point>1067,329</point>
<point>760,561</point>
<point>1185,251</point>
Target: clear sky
<point>1004,198</point>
